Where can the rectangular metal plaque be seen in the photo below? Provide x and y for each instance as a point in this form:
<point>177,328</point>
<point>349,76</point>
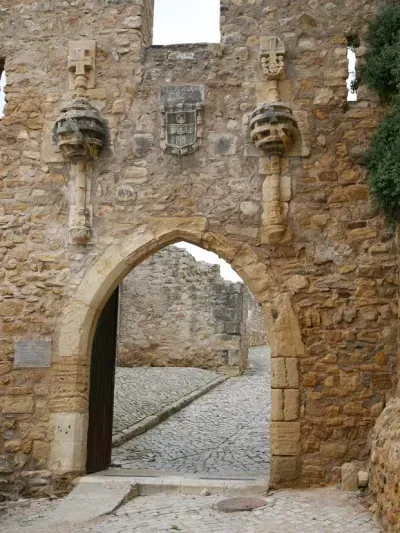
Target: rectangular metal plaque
<point>32,353</point>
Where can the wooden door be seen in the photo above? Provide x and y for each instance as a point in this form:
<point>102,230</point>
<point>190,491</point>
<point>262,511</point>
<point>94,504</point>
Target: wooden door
<point>101,396</point>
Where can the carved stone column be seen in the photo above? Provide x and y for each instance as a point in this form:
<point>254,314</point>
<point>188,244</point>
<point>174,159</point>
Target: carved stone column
<point>273,222</point>
<point>80,223</point>
<point>80,134</point>
<point>273,129</point>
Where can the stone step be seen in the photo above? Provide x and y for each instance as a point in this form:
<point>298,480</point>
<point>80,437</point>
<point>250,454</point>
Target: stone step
<point>229,485</point>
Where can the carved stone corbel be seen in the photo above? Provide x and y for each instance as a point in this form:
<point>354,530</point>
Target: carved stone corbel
<point>80,134</point>
<point>272,59</point>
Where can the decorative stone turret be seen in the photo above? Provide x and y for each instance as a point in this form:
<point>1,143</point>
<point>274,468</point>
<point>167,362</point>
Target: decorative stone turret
<point>79,131</point>
<point>273,130</point>
<point>80,134</point>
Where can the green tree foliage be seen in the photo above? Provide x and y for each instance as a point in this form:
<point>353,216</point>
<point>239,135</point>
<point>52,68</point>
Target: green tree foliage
<point>381,72</point>
<point>381,69</point>
<point>383,166</point>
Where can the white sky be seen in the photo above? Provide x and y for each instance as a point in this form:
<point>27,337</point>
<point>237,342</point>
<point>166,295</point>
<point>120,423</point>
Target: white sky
<point>351,56</point>
<point>2,101</point>
<point>199,254</point>
<point>186,21</point>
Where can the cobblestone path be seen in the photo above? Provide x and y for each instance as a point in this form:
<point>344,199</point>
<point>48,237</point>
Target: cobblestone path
<point>307,511</point>
<point>144,391</point>
<point>224,431</point>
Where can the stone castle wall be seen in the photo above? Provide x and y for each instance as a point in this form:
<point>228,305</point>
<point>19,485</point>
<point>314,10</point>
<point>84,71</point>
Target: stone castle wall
<point>328,290</point>
<point>384,465</point>
<point>256,332</point>
<point>175,311</point>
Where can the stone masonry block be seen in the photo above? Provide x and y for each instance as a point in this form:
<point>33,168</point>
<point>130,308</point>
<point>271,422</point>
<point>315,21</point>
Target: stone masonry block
<point>142,143</point>
<point>70,427</point>
<point>223,144</point>
<point>349,477</point>
<point>17,404</point>
<point>285,438</point>
<point>291,404</point>
<point>283,470</point>
<point>285,373</point>
<point>283,328</point>
<point>277,405</point>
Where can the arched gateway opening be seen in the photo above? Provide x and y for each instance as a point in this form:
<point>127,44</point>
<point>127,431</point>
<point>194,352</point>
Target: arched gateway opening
<point>96,297</point>
<point>190,366</point>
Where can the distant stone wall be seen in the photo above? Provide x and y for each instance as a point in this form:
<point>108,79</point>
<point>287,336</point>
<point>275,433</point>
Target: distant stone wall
<point>176,311</point>
<point>256,329</point>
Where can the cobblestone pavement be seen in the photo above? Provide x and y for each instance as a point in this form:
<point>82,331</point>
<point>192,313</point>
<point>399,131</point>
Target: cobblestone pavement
<point>144,391</point>
<point>222,432</point>
<point>308,511</point>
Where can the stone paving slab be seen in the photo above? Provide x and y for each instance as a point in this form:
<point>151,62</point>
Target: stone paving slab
<point>144,391</point>
<point>304,511</point>
<point>224,431</point>
<point>91,500</point>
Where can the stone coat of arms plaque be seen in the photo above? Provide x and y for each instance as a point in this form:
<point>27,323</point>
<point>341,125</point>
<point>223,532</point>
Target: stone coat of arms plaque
<point>181,128</point>
<point>182,119</point>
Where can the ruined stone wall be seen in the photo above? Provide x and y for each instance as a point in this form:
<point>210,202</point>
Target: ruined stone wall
<point>328,291</point>
<point>175,311</point>
<point>256,331</point>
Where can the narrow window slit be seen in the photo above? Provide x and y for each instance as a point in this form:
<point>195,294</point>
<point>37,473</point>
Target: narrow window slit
<point>2,85</point>
<point>353,42</point>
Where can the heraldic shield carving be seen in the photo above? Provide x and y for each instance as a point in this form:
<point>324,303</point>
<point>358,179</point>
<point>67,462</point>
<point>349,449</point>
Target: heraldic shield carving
<point>181,126</point>
<point>181,107</point>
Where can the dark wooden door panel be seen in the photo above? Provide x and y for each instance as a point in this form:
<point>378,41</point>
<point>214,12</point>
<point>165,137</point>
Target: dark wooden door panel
<point>101,396</point>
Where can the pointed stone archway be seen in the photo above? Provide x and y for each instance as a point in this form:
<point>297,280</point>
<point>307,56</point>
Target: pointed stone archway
<point>71,359</point>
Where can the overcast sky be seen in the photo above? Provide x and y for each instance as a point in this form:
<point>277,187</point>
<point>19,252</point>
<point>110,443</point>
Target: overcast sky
<point>186,21</point>
<point>198,253</point>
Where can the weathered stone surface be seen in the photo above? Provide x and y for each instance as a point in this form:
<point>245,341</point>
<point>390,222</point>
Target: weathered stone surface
<point>17,404</point>
<point>349,476</point>
<point>88,501</point>
<point>223,144</point>
<point>384,474</point>
<point>142,143</point>
<point>343,325</point>
<point>284,330</point>
<point>285,438</point>
<point>362,479</point>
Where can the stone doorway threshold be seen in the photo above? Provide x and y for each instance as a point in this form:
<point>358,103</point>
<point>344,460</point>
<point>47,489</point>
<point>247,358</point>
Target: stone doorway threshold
<point>103,493</point>
<point>156,481</point>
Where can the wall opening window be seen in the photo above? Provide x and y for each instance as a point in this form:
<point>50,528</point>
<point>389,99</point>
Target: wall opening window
<point>2,85</point>
<point>186,21</point>
<point>352,43</point>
